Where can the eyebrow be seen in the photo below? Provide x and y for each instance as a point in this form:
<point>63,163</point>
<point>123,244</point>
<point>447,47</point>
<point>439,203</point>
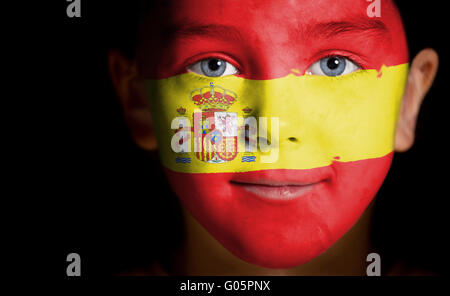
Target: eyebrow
<point>365,27</point>
<point>216,31</point>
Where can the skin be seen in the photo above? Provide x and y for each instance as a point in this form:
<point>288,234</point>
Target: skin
<point>128,79</point>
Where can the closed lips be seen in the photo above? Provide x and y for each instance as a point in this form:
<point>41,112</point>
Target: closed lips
<point>276,190</point>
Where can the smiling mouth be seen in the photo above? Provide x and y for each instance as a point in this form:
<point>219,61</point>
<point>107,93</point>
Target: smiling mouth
<point>277,190</point>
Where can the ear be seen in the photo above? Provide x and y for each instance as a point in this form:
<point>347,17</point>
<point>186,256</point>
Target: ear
<point>420,78</point>
<point>130,90</point>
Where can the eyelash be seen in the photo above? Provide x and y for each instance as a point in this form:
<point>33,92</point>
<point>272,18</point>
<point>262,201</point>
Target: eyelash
<point>222,56</point>
<point>358,61</point>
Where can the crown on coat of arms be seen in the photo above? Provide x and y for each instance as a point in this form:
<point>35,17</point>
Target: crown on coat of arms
<point>213,97</point>
<point>181,111</point>
<point>247,110</point>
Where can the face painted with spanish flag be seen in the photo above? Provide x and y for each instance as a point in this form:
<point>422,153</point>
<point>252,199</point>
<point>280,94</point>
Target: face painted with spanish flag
<point>275,120</point>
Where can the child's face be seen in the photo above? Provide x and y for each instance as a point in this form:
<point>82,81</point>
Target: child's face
<point>332,76</point>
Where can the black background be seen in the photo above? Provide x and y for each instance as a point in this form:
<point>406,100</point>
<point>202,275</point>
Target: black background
<point>107,200</point>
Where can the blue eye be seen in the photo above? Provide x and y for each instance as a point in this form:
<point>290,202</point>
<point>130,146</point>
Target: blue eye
<point>213,67</point>
<point>332,66</point>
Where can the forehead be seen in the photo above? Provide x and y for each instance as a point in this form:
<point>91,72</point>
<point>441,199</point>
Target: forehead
<point>265,14</point>
<point>245,29</point>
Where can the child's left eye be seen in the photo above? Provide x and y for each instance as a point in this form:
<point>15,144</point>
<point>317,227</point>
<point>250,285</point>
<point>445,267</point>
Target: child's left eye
<point>332,66</point>
<point>213,67</point>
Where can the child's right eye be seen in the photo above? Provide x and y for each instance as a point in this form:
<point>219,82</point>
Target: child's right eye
<point>213,67</point>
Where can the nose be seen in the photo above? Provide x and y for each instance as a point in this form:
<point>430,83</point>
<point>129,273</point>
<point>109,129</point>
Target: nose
<point>280,98</point>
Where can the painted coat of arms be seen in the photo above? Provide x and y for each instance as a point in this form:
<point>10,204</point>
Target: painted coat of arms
<point>215,129</point>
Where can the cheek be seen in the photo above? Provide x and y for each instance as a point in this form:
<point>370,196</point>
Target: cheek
<point>202,193</point>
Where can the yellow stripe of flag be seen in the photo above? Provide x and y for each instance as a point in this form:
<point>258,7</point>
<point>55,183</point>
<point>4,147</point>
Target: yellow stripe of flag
<point>351,116</point>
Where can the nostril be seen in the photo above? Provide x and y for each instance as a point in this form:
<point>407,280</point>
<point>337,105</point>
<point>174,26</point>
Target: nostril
<point>293,139</point>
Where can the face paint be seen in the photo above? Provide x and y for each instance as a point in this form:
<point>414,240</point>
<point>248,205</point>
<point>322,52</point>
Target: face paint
<point>335,133</point>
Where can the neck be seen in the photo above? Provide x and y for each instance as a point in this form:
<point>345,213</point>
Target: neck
<point>200,249</point>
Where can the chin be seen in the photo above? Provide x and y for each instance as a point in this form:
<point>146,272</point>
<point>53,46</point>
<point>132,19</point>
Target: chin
<point>281,218</point>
